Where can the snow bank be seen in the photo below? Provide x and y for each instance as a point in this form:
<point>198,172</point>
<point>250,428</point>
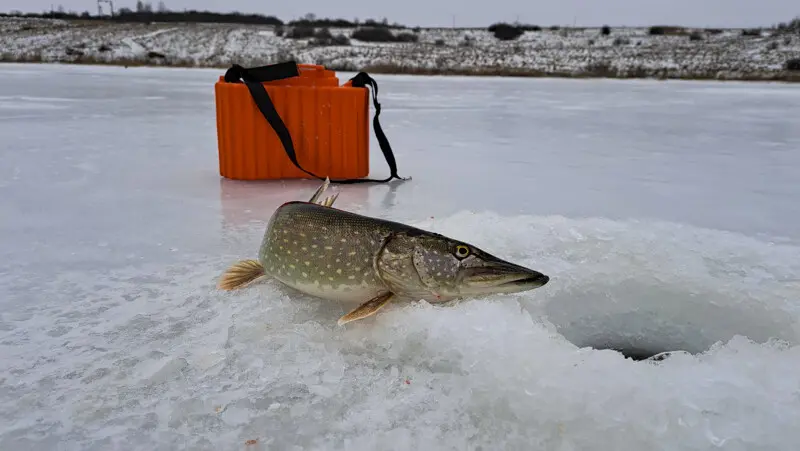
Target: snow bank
<point>154,357</point>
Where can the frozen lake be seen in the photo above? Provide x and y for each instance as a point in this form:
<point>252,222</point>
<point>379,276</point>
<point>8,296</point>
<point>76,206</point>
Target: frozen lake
<point>665,213</point>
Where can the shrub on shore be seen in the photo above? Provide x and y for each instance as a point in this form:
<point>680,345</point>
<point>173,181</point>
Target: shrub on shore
<point>382,34</point>
<point>666,30</point>
<point>506,32</point>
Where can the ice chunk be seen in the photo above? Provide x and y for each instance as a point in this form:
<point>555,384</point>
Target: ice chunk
<point>159,370</point>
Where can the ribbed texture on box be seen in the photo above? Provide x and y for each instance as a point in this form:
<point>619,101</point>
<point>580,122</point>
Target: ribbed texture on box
<point>329,126</point>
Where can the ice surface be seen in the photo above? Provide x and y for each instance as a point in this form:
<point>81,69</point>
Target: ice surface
<point>665,214</point>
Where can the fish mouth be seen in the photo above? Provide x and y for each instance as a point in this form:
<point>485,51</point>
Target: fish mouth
<point>531,280</point>
<point>504,276</point>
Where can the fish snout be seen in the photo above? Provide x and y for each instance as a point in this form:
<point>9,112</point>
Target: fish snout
<point>520,276</point>
<point>499,276</point>
<point>536,278</point>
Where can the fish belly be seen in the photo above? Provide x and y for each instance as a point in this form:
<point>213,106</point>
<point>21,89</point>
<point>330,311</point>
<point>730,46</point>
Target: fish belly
<point>356,294</point>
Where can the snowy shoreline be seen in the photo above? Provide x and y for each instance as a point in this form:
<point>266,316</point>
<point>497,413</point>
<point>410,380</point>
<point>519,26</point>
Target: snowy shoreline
<point>582,52</point>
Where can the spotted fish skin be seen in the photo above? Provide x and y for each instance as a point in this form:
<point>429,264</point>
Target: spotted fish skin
<point>343,256</point>
<point>324,252</point>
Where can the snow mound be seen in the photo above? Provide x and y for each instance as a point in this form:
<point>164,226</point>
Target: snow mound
<point>154,356</point>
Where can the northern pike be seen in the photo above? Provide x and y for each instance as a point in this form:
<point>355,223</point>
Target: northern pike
<point>342,256</point>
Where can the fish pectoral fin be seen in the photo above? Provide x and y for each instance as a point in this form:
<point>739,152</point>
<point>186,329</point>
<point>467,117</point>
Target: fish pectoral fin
<point>241,274</point>
<point>368,308</point>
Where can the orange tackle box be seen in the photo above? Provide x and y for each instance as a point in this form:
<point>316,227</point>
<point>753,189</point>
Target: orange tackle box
<point>290,120</point>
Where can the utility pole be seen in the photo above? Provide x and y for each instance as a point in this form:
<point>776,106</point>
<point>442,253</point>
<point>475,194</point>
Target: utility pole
<point>100,9</point>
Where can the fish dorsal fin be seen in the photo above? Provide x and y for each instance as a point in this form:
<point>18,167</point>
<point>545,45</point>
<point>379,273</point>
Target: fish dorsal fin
<point>328,201</point>
<point>320,190</point>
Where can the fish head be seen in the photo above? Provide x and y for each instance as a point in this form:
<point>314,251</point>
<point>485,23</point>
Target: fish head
<point>437,268</point>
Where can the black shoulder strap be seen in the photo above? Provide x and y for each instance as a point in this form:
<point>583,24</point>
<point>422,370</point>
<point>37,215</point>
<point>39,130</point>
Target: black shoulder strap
<point>253,77</point>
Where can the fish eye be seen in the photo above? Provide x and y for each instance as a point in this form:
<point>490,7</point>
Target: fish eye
<point>462,251</point>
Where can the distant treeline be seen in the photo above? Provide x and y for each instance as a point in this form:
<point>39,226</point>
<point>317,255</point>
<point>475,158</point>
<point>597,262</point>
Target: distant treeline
<point>310,20</point>
<point>509,32</point>
<point>125,15</point>
<point>144,12</point>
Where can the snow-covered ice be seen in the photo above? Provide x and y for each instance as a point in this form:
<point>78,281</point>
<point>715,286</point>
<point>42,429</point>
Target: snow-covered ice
<point>665,212</point>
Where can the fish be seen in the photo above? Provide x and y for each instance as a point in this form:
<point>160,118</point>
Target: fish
<point>338,255</point>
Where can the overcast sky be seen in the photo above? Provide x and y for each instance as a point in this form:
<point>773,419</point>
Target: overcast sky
<point>711,13</point>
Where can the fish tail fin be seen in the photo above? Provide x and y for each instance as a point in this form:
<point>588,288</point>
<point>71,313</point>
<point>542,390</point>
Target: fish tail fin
<point>241,274</point>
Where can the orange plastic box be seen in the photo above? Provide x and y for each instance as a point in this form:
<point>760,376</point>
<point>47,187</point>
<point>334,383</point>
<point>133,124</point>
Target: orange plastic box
<point>267,114</point>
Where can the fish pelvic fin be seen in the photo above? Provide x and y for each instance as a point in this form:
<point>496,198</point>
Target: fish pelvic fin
<point>368,308</point>
<point>241,274</point>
